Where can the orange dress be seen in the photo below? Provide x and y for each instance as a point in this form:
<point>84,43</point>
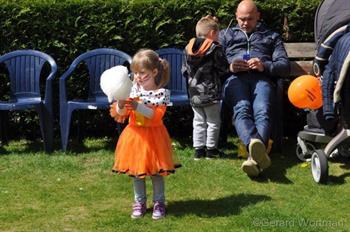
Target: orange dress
<point>144,146</point>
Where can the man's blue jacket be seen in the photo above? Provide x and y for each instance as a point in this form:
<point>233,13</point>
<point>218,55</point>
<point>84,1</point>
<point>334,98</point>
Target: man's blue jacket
<point>263,43</point>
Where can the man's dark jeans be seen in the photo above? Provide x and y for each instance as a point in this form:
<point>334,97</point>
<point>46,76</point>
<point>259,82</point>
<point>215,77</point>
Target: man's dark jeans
<point>250,97</point>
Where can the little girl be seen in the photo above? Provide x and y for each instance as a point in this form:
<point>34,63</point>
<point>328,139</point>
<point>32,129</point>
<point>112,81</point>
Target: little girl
<point>144,147</point>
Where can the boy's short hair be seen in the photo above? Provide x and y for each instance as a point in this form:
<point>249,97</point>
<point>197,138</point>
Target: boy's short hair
<point>206,24</point>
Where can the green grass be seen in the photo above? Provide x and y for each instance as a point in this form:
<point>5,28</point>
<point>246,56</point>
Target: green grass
<point>77,191</point>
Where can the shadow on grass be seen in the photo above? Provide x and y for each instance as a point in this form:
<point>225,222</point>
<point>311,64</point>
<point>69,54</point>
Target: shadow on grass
<point>225,206</point>
<point>2,150</point>
<point>281,162</point>
<point>345,165</point>
<point>184,141</point>
<point>277,171</point>
<point>75,147</point>
<point>337,180</point>
<point>22,147</point>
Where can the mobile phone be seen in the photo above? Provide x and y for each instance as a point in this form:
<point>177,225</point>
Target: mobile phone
<point>246,57</point>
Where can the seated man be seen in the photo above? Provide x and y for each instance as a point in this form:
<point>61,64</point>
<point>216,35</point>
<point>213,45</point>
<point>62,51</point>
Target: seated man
<point>256,56</point>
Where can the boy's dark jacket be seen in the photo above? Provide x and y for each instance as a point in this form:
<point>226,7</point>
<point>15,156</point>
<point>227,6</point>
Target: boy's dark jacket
<point>205,68</point>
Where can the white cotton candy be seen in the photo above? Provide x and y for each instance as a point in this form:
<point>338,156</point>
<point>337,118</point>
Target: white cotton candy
<point>115,83</point>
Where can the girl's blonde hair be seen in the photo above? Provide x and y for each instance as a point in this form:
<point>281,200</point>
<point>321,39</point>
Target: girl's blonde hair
<point>207,24</point>
<point>150,60</point>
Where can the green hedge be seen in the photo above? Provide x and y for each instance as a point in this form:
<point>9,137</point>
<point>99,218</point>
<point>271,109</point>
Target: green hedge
<point>65,29</point>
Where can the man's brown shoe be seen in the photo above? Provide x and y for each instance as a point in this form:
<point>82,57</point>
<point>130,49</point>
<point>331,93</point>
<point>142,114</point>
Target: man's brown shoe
<point>257,151</point>
<point>250,167</point>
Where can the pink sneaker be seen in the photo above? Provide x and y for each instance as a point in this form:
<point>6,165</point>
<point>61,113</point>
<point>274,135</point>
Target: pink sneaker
<point>138,210</point>
<point>158,210</point>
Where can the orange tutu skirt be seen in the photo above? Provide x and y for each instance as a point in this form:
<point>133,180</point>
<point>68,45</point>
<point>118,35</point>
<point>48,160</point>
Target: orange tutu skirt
<point>144,150</point>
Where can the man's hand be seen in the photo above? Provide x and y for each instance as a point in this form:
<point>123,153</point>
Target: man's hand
<point>239,66</point>
<point>255,64</point>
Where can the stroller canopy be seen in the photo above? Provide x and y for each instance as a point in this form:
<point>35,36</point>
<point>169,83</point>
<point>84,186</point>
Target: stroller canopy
<point>330,15</point>
<point>331,22</point>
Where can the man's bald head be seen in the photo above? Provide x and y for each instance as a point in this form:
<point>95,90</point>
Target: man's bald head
<point>247,15</point>
<point>247,6</point>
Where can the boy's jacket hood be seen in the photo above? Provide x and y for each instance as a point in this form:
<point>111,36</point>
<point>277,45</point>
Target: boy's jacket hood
<point>198,47</point>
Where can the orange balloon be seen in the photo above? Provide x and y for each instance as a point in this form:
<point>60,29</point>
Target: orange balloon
<point>305,92</point>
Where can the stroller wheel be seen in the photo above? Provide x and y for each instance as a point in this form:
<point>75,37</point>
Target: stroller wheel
<point>319,166</point>
<point>305,155</point>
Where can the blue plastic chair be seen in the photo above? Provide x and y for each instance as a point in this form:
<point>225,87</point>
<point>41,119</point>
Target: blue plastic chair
<point>96,61</point>
<point>24,69</point>
<point>177,84</point>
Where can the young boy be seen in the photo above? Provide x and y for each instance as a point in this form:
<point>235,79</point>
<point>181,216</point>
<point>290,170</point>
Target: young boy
<point>205,67</point>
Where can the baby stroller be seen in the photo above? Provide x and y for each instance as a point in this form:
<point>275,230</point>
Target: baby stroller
<point>313,144</point>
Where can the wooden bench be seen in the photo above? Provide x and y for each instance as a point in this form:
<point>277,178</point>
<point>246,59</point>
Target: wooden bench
<point>301,56</point>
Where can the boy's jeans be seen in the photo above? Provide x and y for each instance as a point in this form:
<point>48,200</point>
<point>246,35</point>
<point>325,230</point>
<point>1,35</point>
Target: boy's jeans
<point>250,96</point>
